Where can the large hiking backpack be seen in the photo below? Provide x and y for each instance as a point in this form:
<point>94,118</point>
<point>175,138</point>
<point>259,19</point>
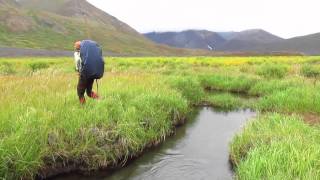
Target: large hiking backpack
<point>92,60</point>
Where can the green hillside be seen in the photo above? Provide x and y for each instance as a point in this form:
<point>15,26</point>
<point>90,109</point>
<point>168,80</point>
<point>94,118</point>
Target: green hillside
<point>57,24</point>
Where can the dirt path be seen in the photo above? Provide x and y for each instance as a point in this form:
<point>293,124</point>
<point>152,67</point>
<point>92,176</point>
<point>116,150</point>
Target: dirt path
<point>21,52</point>
<point>16,52</point>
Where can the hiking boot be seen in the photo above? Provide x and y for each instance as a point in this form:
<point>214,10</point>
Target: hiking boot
<point>82,100</point>
<point>94,95</point>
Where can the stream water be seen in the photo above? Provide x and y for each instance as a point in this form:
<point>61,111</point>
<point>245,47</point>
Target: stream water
<point>198,150</point>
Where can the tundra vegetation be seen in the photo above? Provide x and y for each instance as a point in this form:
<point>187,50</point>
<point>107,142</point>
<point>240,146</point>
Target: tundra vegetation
<point>43,126</point>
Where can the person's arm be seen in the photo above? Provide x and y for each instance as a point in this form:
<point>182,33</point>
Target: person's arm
<point>77,61</point>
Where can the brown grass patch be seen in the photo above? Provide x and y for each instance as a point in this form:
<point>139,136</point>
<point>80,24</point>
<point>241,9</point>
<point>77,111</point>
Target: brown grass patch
<point>311,118</point>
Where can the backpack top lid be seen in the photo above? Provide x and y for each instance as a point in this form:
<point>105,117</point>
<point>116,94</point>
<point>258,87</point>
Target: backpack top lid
<point>88,43</point>
<point>90,50</point>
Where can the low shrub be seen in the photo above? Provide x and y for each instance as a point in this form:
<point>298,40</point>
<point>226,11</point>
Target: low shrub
<point>38,66</point>
<point>6,68</point>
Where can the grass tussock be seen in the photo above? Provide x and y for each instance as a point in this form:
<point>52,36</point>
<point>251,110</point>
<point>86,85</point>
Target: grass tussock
<point>267,87</point>
<point>189,86</point>
<point>272,70</point>
<point>301,100</point>
<point>277,147</point>
<point>225,101</point>
<point>310,71</point>
<point>239,84</point>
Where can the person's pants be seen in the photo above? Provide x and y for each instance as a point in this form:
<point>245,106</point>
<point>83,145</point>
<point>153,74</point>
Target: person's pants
<point>84,85</point>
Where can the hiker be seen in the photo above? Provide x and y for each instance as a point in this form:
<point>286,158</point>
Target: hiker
<point>89,64</point>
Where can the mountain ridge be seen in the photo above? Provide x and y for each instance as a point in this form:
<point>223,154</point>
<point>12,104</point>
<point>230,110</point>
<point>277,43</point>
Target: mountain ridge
<point>255,40</point>
<point>56,25</point>
<point>199,39</point>
<point>213,40</point>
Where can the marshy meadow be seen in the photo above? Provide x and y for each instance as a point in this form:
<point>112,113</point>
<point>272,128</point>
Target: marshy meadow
<point>44,131</point>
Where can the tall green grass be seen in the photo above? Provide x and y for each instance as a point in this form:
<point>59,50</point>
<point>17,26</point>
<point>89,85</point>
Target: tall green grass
<point>46,128</point>
<point>277,147</point>
<point>189,86</point>
<point>300,99</point>
<point>310,71</point>
<point>271,70</point>
<point>43,125</point>
<point>225,101</point>
<point>240,84</point>
<point>267,87</point>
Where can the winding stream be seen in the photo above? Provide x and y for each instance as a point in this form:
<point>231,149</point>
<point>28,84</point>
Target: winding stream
<point>199,150</point>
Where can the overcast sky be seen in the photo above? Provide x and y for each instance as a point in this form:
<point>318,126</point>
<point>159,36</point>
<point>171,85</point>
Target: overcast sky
<point>285,18</point>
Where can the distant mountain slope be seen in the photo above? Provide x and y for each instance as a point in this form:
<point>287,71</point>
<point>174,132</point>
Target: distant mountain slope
<point>56,24</point>
<point>227,35</point>
<point>263,42</point>
<point>221,41</point>
<point>188,39</point>
<point>309,44</point>
<point>248,40</point>
<point>256,35</point>
<point>78,9</point>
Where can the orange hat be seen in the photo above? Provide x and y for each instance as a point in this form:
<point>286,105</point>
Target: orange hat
<point>77,45</point>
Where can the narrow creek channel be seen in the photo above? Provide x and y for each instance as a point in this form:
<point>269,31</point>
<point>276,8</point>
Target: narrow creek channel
<point>199,150</point>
